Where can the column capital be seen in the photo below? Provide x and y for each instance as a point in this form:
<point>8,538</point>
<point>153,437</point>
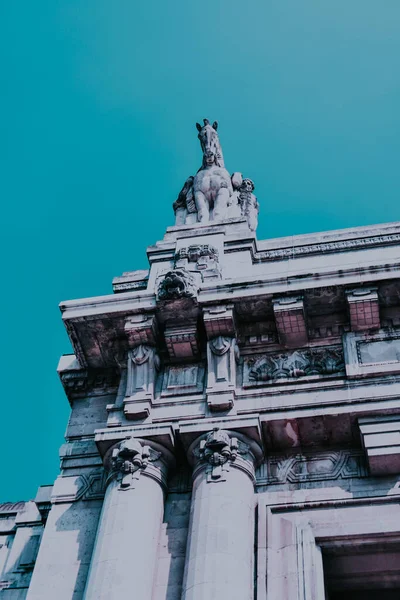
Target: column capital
<point>219,450</point>
<point>132,458</point>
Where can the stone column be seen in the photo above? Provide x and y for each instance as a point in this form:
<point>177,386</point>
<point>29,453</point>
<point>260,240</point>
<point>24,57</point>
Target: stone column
<point>125,552</point>
<point>220,550</point>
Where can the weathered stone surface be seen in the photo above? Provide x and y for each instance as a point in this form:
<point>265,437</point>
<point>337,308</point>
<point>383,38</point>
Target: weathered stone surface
<point>224,346</point>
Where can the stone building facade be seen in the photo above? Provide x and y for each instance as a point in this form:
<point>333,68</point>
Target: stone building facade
<point>235,419</point>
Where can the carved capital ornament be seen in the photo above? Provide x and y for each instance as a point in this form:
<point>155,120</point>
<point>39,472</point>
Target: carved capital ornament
<point>128,460</point>
<point>219,451</point>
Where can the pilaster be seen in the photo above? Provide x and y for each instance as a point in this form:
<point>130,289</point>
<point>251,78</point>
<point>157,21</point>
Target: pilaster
<point>142,365</point>
<point>222,356</point>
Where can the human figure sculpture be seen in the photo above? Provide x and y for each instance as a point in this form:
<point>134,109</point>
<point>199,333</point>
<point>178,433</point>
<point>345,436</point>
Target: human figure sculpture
<point>248,203</point>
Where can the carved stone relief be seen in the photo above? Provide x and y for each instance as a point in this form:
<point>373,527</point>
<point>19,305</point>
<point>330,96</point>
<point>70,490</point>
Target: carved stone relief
<point>311,362</point>
<point>203,258</point>
<point>177,284</point>
<point>86,486</point>
<point>307,467</point>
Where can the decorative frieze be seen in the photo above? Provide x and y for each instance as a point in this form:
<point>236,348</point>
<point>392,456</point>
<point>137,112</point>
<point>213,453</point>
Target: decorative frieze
<point>328,247</point>
<point>290,321</point>
<point>85,486</point>
<point>312,466</point>
<point>363,308</point>
<point>310,362</point>
<point>131,281</point>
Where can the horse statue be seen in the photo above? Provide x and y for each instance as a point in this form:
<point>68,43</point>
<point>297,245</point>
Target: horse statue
<point>212,185</point>
<point>212,194</point>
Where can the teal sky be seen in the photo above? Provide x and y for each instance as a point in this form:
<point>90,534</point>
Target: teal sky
<point>98,104</point>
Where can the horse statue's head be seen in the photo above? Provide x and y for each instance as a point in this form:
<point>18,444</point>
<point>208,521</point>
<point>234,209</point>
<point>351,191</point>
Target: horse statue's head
<point>208,136</point>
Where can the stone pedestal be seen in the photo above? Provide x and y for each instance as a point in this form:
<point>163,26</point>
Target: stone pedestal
<point>124,557</point>
<point>220,550</point>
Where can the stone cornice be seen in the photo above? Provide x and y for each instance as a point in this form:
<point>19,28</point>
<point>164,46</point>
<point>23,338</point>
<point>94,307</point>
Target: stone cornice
<point>133,303</point>
<point>293,282</point>
<point>327,247</point>
<point>340,240</point>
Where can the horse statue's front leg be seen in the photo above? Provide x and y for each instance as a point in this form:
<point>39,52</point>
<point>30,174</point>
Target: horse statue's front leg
<point>203,212</point>
<point>221,204</point>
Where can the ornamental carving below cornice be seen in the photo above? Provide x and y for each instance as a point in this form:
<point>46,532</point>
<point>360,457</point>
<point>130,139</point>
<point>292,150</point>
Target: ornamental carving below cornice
<point>310,362</point>
<point>177,284</point>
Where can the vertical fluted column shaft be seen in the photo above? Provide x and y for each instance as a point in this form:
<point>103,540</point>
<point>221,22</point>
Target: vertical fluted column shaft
<point>125,552</point>
<point>220,550</point>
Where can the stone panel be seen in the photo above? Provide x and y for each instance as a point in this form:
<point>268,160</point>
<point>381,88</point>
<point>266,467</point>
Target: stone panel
<point>311,363</point>
<point>372,354</point>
